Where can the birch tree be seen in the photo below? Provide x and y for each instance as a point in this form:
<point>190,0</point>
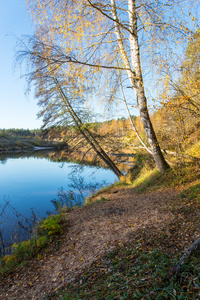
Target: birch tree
<point>93,39</point>
<point>59,97</point>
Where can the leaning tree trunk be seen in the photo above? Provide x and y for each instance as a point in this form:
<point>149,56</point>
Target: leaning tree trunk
<point>86,133</point>
<point>138,86</point>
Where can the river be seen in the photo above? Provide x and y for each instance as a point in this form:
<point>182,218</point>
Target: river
<point>30,181</point>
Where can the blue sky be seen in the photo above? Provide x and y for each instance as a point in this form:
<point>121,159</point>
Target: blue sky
<point>16,109</point>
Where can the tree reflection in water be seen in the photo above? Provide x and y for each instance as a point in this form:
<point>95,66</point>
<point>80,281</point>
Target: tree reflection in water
<point>16,224</point>
<point>76,195</point>
<point>14,227</point>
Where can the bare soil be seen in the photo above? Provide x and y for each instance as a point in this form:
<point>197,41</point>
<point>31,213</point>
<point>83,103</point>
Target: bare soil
<point>93,230</point>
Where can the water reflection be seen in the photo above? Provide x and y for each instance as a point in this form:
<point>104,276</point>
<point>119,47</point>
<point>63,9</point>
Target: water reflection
<point>3,161</point>
<point>14,227</point>
<point>75,196</point>
<point>123,162</point>
<point>32,183</point>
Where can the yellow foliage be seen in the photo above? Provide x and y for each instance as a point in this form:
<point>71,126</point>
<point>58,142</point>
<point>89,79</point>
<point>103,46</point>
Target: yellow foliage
<point>9,259</point>
<point>194,150</point>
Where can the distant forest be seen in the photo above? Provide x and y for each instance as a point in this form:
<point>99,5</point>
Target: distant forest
<point>174,132</point>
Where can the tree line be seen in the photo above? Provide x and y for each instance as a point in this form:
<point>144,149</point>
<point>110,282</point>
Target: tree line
<point>21,133</point>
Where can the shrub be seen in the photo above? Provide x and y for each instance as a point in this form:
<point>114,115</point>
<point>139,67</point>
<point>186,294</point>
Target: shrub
<point>52,225</point>
<point>42,242</point>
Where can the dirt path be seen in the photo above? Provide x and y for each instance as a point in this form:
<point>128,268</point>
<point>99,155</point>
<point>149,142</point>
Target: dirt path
<point>93,230</point>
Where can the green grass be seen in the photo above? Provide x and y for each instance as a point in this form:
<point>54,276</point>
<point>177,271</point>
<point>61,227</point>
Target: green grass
<point>192,193</point>
<point>176,176</point>
<point>148,179</point>
<point>132,272</point>
<point>43,234</point>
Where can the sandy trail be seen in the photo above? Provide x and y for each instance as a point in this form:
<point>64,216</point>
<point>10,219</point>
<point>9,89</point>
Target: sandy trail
<point>93,230</point>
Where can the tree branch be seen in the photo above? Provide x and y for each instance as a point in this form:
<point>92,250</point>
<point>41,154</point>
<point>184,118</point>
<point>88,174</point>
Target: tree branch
<point>108,16</point>
<point>186,254</point>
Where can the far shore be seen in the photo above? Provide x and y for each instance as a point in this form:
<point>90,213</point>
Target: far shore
<point>43,148</point>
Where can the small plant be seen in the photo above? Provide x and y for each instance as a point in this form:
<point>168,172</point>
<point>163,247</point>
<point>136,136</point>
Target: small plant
<point>42,242</point>
<point>102,199</point>
<point>47,230</point>
<point>52,225</point>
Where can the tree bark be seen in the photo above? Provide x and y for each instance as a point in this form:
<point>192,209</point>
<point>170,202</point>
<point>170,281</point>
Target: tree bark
<point>159,159</point>
<point>134,128</point>
<point>138,87</point>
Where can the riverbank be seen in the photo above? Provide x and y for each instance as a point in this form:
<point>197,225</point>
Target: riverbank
<point>10,143</point>
<point>121,246</point>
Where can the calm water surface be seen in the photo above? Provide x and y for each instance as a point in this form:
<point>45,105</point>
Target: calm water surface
<point>31,182</point>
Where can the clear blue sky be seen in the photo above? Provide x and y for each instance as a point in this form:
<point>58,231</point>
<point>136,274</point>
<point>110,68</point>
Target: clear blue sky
<point>16,109</point>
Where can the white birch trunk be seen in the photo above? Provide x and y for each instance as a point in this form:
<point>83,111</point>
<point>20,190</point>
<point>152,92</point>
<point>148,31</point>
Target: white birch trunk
<point>135,76</point>
<point>121,45</point>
